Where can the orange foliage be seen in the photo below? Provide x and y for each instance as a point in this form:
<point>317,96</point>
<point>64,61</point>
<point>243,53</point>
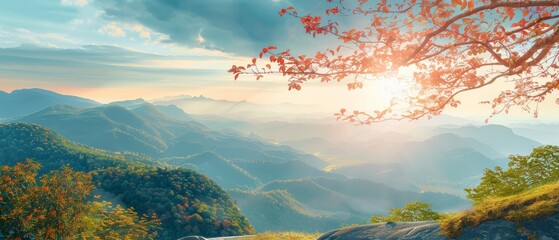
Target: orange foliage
<point>451,46</point>
<point>45,210</point>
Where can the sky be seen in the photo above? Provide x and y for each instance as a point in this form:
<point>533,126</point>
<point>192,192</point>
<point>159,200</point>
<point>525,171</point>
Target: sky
<point>110,50</point>
<point>115,50</point>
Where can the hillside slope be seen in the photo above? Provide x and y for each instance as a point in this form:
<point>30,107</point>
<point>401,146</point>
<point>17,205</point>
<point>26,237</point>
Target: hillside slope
<point>146,130</point>
<point>498,137</point>
<point>112,127</point>
<point>358,197</point>
<point>186,202</point>
<point>278,211</point>
<point>226,173</point>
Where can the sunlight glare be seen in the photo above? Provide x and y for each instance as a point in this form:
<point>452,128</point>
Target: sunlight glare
<point>393,87</point>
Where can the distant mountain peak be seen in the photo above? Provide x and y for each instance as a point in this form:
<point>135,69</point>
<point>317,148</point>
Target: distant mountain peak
<point>35,90</point>
<point>23,102</point>
<point>129,103</point>
<point>147,105</point>
<point>148,108</point>
<point>499,137</point>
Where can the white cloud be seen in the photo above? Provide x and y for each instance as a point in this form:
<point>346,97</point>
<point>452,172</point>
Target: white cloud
<point>200,38</point>
<point>162,37</point>
<point>112,29</point>
<point>115,29</point>
<point>143,31</point>
<point>79,3</point>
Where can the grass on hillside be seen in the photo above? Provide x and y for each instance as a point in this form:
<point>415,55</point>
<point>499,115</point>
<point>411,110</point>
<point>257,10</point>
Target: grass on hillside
<point>285,236</point>
<point>537,202</point>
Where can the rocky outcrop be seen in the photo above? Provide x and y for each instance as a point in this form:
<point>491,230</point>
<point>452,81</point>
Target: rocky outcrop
<point>413,230</point>
<point>545,228</point>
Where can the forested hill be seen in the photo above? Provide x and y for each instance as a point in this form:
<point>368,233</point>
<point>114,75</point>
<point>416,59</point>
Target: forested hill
<point>147,130</point>
<point>19,141</point>
<point>186,202</point>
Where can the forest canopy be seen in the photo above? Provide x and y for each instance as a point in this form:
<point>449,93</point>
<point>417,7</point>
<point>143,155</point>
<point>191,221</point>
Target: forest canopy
<point>56,207</point>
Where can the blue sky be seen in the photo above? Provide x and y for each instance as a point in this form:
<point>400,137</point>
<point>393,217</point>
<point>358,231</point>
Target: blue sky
<point>235,26</point>
<point>69,45</point>
<point>115,50</point>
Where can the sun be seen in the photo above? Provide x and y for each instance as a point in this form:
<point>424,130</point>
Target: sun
<point>394,88</point>
<point>380,91</point>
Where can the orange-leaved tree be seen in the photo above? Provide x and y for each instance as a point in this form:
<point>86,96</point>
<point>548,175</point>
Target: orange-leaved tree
<point>56,207</point>
<point>50,209</point>
<point>449,46</point>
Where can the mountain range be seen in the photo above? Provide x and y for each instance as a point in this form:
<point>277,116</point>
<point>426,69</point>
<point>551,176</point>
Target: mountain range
<point>205,105</point>
<point>446,159</point>
<point>242,110</point>
<point>228,160</point>
<point>167,135</point>
<point>545,133</point>
<point>145,129</point>
<point>265,166</point>
<point>501,138</point>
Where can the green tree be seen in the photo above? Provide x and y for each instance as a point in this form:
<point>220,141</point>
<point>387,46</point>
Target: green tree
<point>524,172</point>
<point>118,223</point>
<point>187,203</point>
<point>411,212</point>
